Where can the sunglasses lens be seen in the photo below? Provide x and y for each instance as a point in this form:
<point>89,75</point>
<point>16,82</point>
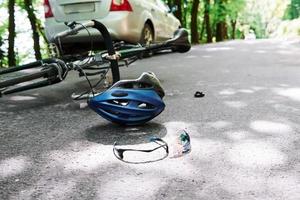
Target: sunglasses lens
<point>181,145</point>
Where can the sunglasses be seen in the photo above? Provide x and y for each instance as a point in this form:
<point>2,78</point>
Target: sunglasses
<point>119,152</point>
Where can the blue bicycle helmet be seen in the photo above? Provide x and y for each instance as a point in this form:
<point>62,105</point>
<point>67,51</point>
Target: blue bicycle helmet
<point>131,102</point>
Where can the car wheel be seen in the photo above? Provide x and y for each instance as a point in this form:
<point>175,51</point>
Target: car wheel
<point>147,36</point>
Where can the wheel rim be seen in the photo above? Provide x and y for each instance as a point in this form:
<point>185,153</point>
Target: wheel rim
<point>148,36</point>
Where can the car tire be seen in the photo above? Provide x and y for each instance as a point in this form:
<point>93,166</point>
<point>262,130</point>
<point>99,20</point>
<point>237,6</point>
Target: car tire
<point>147,36</point>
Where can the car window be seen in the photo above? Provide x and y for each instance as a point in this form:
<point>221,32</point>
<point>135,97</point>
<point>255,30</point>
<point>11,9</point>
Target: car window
<point>163,5</point>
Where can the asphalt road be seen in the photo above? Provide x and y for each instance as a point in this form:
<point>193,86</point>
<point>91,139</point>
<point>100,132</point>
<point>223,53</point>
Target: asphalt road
<point>245,132</point>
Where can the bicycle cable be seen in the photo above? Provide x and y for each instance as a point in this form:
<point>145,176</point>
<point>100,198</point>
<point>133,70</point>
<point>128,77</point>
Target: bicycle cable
<point>86,62</point>
<point>91,41</point>
<point>91,86</point>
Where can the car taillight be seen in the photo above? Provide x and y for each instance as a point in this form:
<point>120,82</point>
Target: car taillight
<point>47,9</point>
<point>120,5</point>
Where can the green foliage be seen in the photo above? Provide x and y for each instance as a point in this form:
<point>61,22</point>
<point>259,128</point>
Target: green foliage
<point>220,10</point>
<point>292,11</point>
<point>3,28</point>
<point>252,21</point>
<point>234,7</point>
<point>3,61</point>
<point>20,3</point>
<point>257,26</point>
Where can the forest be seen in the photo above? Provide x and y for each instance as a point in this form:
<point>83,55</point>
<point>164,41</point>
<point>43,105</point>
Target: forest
<point>207,21</point>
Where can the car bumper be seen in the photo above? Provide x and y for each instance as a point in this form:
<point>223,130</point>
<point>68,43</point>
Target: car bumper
<point>119,25</point>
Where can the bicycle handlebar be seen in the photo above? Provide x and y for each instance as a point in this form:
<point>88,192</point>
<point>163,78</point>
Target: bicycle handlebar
<point>107,41</point>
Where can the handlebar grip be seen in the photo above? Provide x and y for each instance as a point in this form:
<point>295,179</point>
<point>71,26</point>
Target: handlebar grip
<point>74,30</point>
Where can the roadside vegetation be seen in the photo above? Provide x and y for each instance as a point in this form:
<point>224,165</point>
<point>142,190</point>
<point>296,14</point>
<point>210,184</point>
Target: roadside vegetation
<point>207,20</point>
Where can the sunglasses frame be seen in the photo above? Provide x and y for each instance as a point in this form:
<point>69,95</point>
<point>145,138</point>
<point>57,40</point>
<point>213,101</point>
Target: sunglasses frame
<point>119,152</point>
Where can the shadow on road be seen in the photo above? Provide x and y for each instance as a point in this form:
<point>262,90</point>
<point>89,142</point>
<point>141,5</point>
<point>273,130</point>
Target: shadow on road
<point>107,134</point>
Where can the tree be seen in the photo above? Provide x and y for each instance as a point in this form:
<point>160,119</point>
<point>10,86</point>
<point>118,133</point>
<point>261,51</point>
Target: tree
<point>194,24</point>
<point>11,33</point>
<point>293,10</point>
<point>221,26</point>
<point>234,7</point>
<point>178,12</point>
<point>207,21</point>
<point>34,27</point>
<point>41,31</point>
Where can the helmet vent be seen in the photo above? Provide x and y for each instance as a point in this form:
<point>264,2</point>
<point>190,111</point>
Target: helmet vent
<point>119,102</point>
<point>145,106</point>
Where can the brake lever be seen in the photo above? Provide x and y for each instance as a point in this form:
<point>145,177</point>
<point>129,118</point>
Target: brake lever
<point>71,25</point>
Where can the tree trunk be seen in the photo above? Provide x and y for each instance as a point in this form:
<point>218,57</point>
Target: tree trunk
<point>35,34</point>
<point>11,33</point>
<point>233,26</point>
<point>1,52</point>
<point>202,31</point>
<point>194,24</point>
<point>178,13</point>
<point>207,21</point>
<point>41,31</point>
<point>221,29</point>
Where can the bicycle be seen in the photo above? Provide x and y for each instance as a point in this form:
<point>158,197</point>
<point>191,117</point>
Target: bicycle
<point>55,70</point>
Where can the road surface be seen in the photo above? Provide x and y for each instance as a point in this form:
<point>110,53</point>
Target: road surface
<point>245,132</point>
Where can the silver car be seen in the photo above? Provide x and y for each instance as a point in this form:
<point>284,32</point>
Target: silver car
<point>133,21</point>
